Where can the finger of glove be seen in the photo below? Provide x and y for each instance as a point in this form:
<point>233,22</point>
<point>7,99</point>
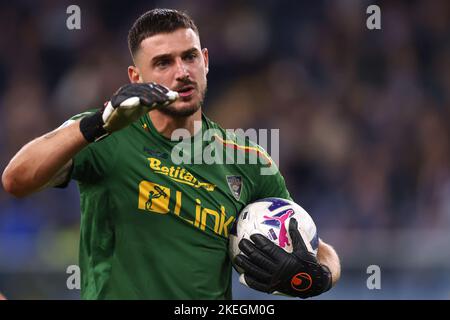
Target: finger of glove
<point>269,248</point>
<point>137,90</point>
<point>252,269</point>
<point>256,256</point>
<point>148,102</point>
<point>116,100</point>
<point>169,94</point>
<point>150,94</point>
<point>164,93</point>
<point>298,245</point>
<point>131,102</point>
<point>250,282</point>
<point>131,90</point>
<point>158,87</point>
<point>155,99</point>
<point>124,88</point>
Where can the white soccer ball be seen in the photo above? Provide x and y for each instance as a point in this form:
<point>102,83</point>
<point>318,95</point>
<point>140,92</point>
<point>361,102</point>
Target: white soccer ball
<point>270,217</point>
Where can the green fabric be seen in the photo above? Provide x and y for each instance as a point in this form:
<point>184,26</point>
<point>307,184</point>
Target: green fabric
<point>152,229</point>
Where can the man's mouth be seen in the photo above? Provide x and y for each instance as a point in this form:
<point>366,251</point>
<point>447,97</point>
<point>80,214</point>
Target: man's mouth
<point>186,91</point>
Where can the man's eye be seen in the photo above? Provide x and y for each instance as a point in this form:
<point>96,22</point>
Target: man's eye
<point>163,63</point>
<point>191,56</point>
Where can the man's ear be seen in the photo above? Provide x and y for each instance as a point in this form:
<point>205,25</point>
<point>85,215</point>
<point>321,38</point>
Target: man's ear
<point>206,59</point>
<point>134,74</point>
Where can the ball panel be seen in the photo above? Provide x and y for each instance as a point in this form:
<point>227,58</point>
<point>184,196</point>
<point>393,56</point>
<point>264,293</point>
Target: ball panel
<point>270,217</point>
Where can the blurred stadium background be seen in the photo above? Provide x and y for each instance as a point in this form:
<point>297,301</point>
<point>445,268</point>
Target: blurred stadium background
<point>364,119</point>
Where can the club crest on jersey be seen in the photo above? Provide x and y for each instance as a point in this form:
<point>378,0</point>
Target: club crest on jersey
<point>235,184</point>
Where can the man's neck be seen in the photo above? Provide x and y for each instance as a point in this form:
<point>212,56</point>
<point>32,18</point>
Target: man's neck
<point>166,124</point>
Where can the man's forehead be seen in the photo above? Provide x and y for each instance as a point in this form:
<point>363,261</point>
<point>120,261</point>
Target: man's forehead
<point>170,43</point>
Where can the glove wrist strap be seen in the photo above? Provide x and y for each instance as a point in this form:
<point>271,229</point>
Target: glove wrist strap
<point>92,127</point>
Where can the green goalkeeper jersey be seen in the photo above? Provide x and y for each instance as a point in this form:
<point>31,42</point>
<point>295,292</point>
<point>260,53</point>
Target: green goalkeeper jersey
<point>155,228</point>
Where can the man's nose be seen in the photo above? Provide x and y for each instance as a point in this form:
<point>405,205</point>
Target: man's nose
<point>182,71</point>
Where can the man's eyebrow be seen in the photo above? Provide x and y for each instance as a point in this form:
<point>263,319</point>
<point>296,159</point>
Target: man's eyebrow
<point>170,56</point>
<point>189,51</point>
<point>161,57</point>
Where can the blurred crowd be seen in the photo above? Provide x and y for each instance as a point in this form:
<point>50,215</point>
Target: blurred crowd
<point>364,115</point>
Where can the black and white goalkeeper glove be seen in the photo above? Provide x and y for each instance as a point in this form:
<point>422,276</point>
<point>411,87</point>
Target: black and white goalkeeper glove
<point>269,268</point>
<point>127,105</point>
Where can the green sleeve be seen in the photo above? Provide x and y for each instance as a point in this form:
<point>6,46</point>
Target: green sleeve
<point>272,186</point>
<point>269,180</point>
<point>94,161</point>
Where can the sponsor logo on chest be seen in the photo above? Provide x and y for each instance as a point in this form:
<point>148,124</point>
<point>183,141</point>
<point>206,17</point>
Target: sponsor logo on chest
<point>179,174</point>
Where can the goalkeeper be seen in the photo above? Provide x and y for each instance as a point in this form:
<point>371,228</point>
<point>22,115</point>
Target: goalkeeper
<point>152,228</point>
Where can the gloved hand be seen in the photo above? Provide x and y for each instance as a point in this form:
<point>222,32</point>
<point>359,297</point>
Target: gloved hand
<point>271,269</point>
<point>127,105</point>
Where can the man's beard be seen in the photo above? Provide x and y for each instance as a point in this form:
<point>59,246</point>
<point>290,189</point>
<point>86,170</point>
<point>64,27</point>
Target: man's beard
<point>173,112</point>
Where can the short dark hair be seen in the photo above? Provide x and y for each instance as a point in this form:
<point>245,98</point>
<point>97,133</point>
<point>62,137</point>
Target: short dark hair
<point>157,21</point>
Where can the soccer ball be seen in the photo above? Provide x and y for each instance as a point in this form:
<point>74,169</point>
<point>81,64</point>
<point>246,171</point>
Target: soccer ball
<point>270,217</point>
